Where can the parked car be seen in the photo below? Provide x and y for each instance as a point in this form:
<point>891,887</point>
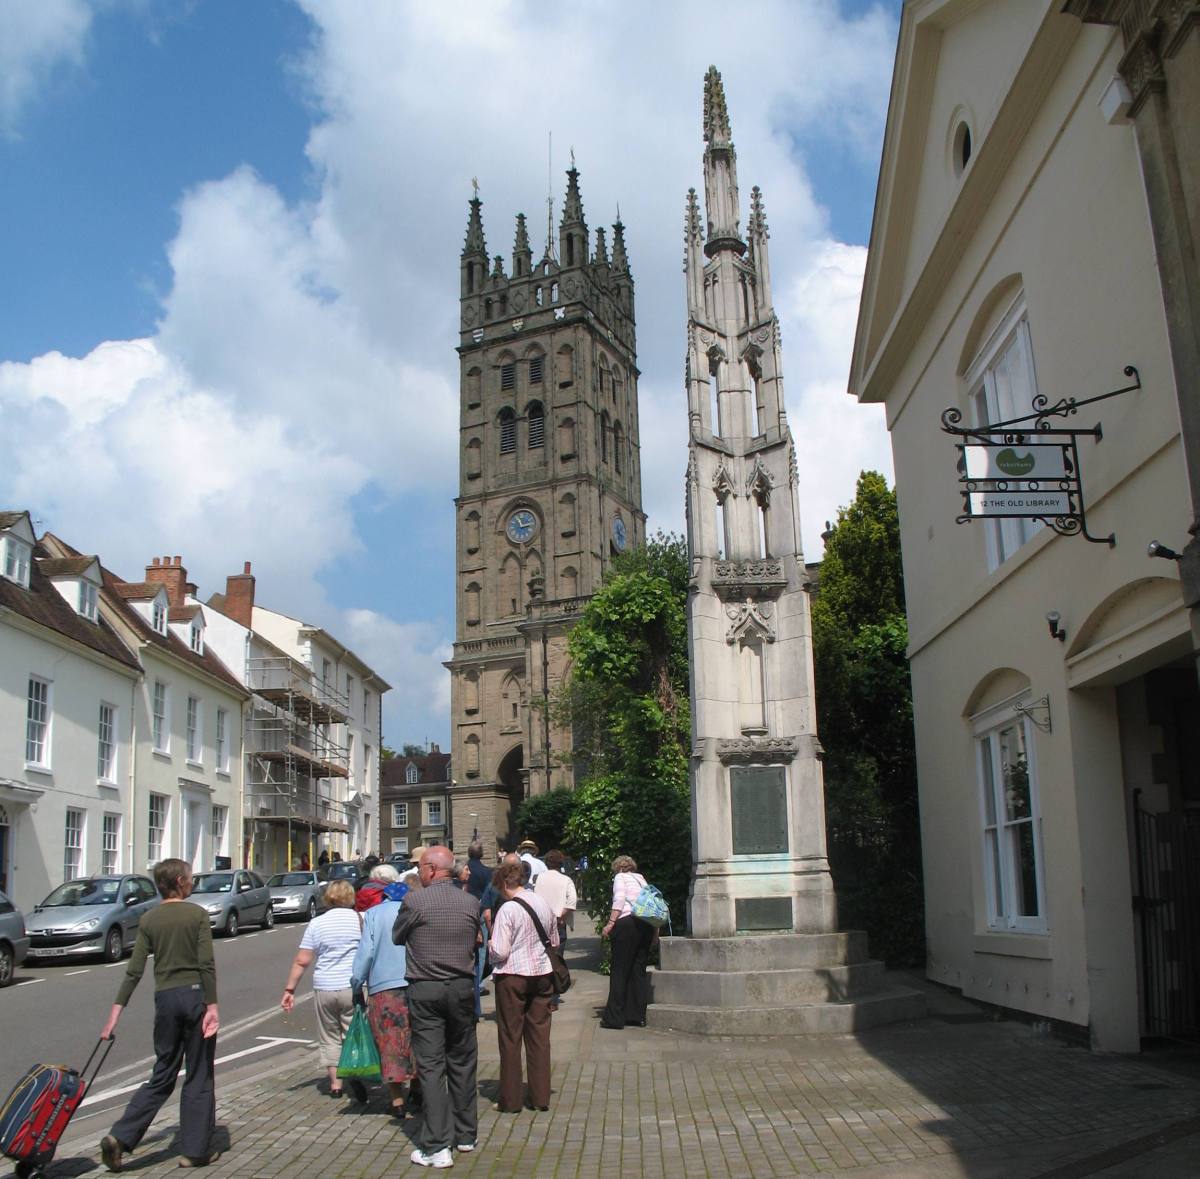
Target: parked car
<point>233,899</point>
<point>91,915</point>
<point>400,861</point>
<point>14,941</point>
<point>295,894</point>
<point>343,870</point>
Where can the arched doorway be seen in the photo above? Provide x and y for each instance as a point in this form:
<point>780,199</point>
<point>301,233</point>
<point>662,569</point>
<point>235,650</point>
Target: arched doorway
<point>511,778</point>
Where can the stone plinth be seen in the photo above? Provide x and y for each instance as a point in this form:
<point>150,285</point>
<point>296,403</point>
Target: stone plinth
<point>775,984</point>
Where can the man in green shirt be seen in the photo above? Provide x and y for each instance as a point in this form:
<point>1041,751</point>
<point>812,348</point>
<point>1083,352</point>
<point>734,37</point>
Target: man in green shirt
<point>185,1021</point>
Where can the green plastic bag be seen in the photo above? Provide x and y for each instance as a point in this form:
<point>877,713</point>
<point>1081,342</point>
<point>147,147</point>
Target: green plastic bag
<point>360,1057</point>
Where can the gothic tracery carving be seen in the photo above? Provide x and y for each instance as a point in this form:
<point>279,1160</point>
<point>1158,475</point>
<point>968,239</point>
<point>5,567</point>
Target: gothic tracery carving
<point>750,617</point>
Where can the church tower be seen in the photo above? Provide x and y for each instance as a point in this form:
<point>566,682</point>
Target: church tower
<point>549,491</point>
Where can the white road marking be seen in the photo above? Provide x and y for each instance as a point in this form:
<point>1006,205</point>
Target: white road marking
<point>27,981</point>
<point>267,1043</point>
<point>114,965</point>
<point>71,973</point>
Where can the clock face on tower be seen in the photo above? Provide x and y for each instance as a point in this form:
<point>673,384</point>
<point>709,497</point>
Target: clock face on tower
<point>618,531</point>
<point>522,524</point>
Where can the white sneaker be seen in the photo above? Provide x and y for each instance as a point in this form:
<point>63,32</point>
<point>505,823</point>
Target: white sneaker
<point>464,1147</point>
<point>440,1159</point>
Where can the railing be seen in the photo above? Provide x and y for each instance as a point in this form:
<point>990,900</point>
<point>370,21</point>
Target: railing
<point>276,676</point>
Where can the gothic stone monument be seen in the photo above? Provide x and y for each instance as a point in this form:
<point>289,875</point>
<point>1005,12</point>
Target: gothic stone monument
<point>764,955</point>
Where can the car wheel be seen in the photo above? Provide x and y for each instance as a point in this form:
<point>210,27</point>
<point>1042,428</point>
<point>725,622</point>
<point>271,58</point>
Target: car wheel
<point>6,965</point>
<point>231,924</point>
<point>312,907</point>
<point>268,921</point>
<point>114,945</point>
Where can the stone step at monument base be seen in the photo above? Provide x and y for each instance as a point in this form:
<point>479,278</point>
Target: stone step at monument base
<point>887,1005</point>
<point>764,951</point>
<point>755,988</point>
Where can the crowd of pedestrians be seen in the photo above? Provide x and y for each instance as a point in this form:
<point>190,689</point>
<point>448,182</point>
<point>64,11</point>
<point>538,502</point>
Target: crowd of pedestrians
<point>414,951</point>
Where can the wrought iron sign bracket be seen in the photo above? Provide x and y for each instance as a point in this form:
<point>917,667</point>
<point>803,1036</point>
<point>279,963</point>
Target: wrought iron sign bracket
<point>1044,483</point>
<point>1037,713</point>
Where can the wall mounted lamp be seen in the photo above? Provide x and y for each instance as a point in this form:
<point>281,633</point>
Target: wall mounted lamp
<point>1056,631</point>
<point>1158,549</point>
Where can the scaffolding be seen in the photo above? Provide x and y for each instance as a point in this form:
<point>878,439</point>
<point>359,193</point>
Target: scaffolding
<point>296,772</point>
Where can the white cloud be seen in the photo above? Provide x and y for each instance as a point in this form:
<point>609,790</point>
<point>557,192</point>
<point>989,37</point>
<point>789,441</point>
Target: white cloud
<point>36,38</point>
<point>305,355</point>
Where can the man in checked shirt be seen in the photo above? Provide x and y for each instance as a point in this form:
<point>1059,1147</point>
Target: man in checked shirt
<point>439,927</point>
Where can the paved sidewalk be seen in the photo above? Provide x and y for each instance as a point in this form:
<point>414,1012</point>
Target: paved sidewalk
<point>956,1094</point>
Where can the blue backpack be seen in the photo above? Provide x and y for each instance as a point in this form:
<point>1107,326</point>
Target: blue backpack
<point>651,906</point>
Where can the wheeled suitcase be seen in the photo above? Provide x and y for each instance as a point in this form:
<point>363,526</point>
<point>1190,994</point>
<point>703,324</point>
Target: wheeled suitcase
<point>37,1111</point>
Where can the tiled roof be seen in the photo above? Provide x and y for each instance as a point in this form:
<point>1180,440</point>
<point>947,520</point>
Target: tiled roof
<point>433,769</point>
<point>182,613</point>
<point>43,604</point>
<point>8,519</point>
<point>65,566</point>
<point>118,591</point>
<point>135,590</point>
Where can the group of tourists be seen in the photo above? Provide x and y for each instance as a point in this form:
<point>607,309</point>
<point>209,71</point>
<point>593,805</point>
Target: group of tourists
<point>414,951</point>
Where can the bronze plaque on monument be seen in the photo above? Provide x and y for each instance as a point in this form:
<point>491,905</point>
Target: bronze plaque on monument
<point>758,802</point>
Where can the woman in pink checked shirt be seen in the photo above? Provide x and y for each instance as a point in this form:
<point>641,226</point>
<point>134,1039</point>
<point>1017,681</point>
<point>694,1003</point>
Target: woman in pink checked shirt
<point>632,940</point>
<point>521,975</point>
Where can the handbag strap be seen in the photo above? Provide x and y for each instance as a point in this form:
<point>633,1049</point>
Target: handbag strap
<point>537,924</point>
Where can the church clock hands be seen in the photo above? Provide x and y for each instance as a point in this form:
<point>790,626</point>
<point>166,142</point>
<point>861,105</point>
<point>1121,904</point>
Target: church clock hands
<point>522,524</point>
<point>619,535</point>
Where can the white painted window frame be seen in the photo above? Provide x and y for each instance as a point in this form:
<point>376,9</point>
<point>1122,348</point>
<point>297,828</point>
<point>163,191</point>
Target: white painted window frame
<point>74,829</point>
<point>89,600</point>
<point>18,557</point>
<point>399,814</point>
<point>222,741</point>
<point>106,743</point>
<point>160,717</point>
<point>157,833</point>
<point>998,831</point>
<point>110,844</point>
<point>39,722</point>
<point>194,730</point>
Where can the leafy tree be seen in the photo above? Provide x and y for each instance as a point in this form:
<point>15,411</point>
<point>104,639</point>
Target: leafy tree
<point>386,753</point>
<point>864,717</point>
<point>411,750</point>
<point>627,701</point>
<point>543,818</point>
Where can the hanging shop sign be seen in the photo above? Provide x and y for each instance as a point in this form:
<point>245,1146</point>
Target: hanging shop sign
<point>1026,468</point>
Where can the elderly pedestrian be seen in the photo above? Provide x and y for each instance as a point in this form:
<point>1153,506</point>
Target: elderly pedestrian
<point>329,944</point>
<point>631,942</point>
<point>185,1021</point>
<point>439,928</point>
<point>523,979</point>
<point>379,965</point>
<point>528,851</point>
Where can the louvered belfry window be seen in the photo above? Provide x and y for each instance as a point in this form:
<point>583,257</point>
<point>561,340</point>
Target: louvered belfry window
<point>537,425</point>
<point>508,431</point>
<point>535,370</point>
<point>508,375</point>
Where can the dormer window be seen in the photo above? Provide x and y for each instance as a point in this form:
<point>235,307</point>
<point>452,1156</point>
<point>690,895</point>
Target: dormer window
<point>158,616</point>
<point>88,600</point>
<point>196,638</point>
<point>412,774</point>
<point>16,560</point>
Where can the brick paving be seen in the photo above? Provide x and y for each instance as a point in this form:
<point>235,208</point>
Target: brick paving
<point>956,1094</point>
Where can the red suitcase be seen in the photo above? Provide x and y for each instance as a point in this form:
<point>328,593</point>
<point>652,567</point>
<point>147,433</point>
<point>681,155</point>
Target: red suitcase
<point>35,1115</point>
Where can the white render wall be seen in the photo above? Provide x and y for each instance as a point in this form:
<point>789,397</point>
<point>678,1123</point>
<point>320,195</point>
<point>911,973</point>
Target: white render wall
<point>80,681</point>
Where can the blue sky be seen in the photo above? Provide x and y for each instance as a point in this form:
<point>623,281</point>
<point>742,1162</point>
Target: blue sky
<point>230,241</point>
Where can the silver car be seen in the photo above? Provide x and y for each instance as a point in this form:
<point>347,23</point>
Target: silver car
<point>233,899</point>
<point>92,915</point>
<point>14,941</point>
<point>296,894</point>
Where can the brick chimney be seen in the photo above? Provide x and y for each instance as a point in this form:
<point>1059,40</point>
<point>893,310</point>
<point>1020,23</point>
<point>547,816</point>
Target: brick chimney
<point>170,573</point>
<point>239,596</point>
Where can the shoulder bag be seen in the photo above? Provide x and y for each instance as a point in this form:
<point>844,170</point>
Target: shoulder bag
<point>560,975</point>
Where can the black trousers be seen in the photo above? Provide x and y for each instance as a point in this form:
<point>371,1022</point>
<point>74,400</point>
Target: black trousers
<point>442,1018</point>
<point>178,1037</point>
<point>627,985</point>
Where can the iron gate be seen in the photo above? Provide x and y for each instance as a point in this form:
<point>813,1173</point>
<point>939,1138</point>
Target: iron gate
<point>1168,865</point>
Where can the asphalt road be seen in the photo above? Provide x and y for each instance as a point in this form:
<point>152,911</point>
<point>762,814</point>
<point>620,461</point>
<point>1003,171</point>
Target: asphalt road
<point>53,1014</point>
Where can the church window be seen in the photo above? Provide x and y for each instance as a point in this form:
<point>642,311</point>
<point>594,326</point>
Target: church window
<point>508,596</point>
<point>714,405</point>
<point>471,596</point>
<point>473,394</point>
<point>537,296</point>
<point>618,445</point>
<point>570,250</point>
<point>471,532</point>
<point>474,458</point>
<point>566,438</point>
<point>508,431</point>
<point>471,692</point>
<point>537,425</point>
<point>503,306</point>
<point>568,519</point>
<point>536,364</point>
<point>508,375</point>
<point>764,548</point>
<point>472,756</point>
<point>554,292</point>
<point>721,538</point>
<point>604,437</point>
<point>487,309</point>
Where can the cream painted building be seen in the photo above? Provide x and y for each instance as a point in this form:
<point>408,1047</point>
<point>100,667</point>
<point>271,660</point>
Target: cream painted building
<point>1013,256</point>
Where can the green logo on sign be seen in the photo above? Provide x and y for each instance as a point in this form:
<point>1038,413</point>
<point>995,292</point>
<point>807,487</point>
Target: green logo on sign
<point>1015,464</point>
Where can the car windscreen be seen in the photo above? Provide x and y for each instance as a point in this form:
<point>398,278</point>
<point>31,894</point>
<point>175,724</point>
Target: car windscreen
<point>213,882</point>
<point>84,892</point>
<point>290,880</point>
